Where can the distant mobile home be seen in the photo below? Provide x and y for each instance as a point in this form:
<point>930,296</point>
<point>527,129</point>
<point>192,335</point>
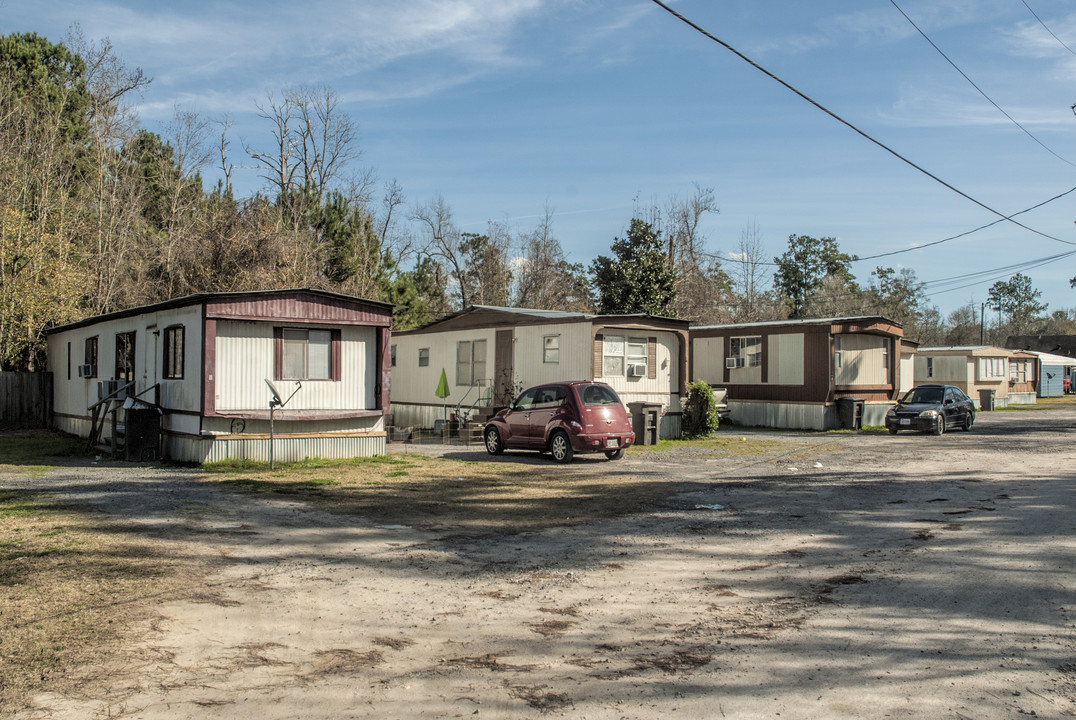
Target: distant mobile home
<point>1009,375</point>
<point>204,360</point>
<point>800,373</point>
<point>490,354</point>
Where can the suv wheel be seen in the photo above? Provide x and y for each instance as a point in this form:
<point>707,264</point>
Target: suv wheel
<point>560,447</point>
<point>494,446</point>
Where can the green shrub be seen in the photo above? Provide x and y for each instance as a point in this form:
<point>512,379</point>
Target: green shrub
<point>699,411</point>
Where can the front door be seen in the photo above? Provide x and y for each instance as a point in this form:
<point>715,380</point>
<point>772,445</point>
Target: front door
<point>503,368</point>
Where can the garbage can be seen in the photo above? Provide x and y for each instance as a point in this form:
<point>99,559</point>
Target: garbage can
<point>850,412</point>
<point>143,434</point>
<point>986,399</point>
<point>645,422</point>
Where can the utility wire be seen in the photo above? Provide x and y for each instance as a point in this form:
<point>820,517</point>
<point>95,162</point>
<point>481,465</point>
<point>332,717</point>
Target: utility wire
<point>1046,28</point>
<point>977,88</point>
<point>849,125</point>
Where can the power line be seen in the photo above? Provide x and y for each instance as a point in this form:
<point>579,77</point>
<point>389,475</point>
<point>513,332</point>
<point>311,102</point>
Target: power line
<point>977,88</point>
<point>848,124</point>
<point>1046,28</point>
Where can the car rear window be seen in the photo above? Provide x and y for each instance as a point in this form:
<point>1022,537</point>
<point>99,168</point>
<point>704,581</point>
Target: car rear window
<point>597,395</point>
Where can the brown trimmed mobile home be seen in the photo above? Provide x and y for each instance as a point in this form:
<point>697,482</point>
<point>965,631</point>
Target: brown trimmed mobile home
<point>795,373</point>
<point>204,360</point>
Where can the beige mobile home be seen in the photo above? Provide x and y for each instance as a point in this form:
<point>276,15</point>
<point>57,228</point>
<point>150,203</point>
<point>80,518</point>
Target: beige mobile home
<point>490,354</point>
<point>802,373</point>
<point>203,363</point>
<point>980,371</point>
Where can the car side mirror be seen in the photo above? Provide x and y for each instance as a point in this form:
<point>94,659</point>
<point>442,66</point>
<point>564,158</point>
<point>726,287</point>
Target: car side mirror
<point>512,405</point>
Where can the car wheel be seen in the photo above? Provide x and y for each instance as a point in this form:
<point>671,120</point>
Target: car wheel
<point>615,454</point>
<point>892,430</point>
<point>940,427</point>
<point>560,447</point>
<point>969,421</point>
<point>494,446</point>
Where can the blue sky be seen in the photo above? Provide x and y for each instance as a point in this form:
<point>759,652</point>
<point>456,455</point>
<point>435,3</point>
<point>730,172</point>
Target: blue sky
<point>591,107</point>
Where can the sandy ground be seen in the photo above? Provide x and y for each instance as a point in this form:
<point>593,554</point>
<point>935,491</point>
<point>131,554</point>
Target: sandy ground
<point>847,576</point>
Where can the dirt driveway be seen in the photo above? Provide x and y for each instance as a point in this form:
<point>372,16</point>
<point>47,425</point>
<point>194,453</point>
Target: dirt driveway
<point>839,576</point>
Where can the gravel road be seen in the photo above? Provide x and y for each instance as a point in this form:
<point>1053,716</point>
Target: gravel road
<point>841,576</point>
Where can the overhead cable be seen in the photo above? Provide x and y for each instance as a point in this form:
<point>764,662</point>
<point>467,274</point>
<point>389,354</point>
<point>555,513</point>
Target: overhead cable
<point>1046,28</point>
<point>977,88</point>
<point>850,126</point>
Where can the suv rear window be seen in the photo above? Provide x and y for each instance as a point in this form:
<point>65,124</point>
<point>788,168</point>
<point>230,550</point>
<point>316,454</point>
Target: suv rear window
<point>597,395</point>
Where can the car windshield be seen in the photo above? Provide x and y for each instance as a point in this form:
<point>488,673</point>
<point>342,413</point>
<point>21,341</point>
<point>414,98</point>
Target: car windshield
<point>598,395</point>
<point>924,395</point>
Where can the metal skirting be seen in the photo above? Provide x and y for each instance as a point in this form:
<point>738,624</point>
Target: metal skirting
<point>285,449</point>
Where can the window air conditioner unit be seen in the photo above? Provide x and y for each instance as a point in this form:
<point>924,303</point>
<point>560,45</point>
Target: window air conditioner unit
<point>733,362</point>
<point>86,371</point>
<point>636,370</point>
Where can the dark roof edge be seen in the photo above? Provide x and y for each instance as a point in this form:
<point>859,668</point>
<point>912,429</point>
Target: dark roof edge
<point>201,298</point>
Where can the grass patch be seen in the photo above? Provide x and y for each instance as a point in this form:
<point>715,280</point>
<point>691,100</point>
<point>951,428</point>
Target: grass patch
<point>71,588</point>
<point>513,493</point>
<point>37,450</point>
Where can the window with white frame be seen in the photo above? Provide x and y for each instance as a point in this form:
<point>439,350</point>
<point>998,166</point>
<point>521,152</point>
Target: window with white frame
<point>423,357</point>
<point>992,368</point>
<point>747,351</point>
<point>470,362</point>
<point>624,356</point>
<point>307,354</point>
<point>551,349</point>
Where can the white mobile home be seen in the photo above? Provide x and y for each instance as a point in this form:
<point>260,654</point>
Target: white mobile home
<point>490,354</point>
<point>204,360</point>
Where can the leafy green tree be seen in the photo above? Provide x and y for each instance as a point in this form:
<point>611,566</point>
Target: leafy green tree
<point>1020,300</point>
<point>49,78</point>
<point>638,279</point>
<point>803,267</point>
<point>700,411</point>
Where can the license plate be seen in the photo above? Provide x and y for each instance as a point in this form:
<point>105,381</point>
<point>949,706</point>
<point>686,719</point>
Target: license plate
<point>612,442</point>
<point>905,421</point>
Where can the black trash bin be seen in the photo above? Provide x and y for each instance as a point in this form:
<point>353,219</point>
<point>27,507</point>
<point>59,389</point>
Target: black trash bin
<point>986,400</point>
<point>142,439</point>
<point>645,420</point>
<point>850,412</point>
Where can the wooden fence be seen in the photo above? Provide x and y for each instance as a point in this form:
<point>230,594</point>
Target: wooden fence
<point>25,400</point>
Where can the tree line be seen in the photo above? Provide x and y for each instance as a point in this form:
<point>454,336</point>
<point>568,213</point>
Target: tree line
<point>99,214</point>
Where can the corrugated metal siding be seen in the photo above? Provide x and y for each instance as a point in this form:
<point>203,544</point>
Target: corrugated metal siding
<point>300,307</point>
<point>288,449</point>
<point>414,384</point>
<point>786,359</point>
<point>708,359</point>
<point>574,362</point>
<point>1051,383</point>
<point>244,359</point>
<point>862,360</point>
<point>800,416</point>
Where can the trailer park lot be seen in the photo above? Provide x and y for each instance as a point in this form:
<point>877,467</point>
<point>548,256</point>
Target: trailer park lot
<point>768,574</point>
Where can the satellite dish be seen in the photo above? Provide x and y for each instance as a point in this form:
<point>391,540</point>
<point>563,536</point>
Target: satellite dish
<point>278,399</point>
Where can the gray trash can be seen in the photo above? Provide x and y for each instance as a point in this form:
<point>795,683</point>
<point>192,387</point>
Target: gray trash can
<point>986,400</point>
<point>850,412</point>
<point>645,420</point>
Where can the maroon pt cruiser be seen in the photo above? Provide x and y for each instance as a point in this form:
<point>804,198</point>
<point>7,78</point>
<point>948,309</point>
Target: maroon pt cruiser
<point>563,418</point>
